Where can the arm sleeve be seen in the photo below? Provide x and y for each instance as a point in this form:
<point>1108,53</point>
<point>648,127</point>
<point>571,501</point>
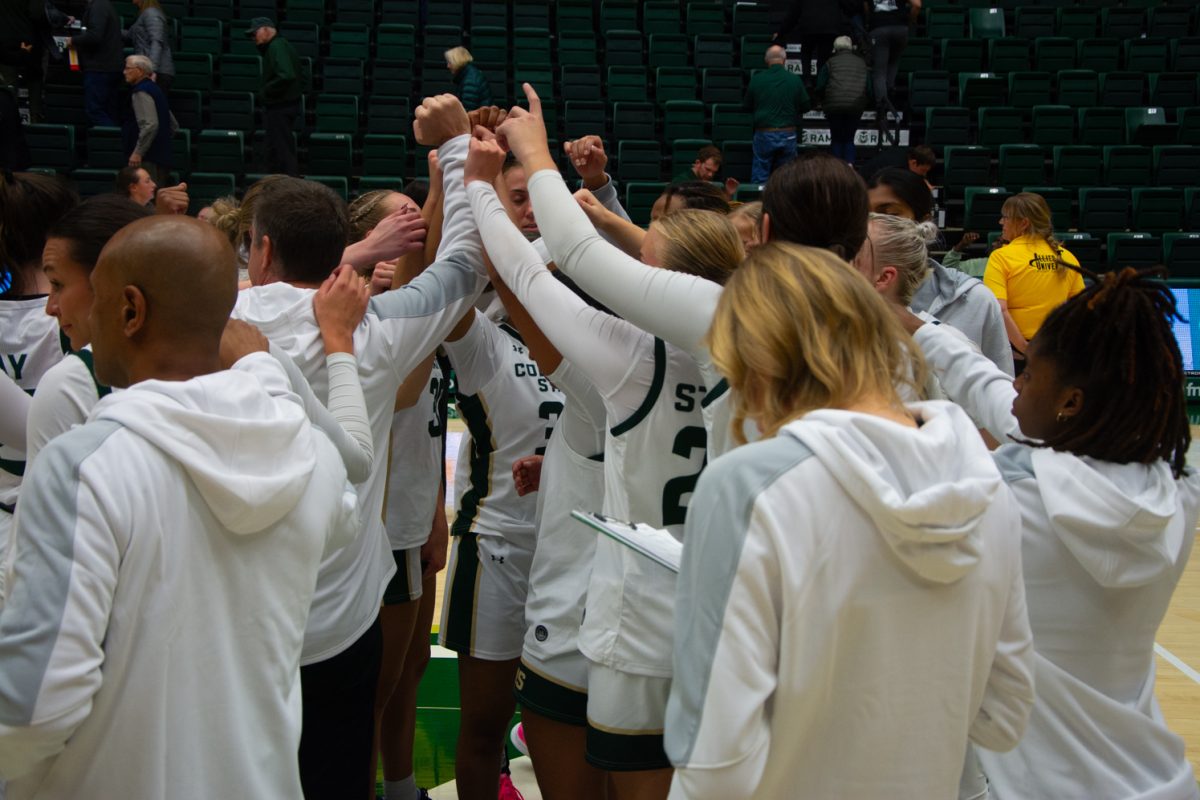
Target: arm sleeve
<point>952,258</point>
<point>971,379</point>
<point>671,305</point>
<point>993,336</point>
<point>477,356</point>
<point>96,22</point>
<point>64,398</point>
<point>15,415</point>
<point>146,114</point>
<point>583,419</point>
<point>610,199</point>
<point>600,345</point>
<point>156,25</point>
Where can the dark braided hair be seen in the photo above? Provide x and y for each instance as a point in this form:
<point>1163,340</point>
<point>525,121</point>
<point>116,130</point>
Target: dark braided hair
<point>1114,341</point>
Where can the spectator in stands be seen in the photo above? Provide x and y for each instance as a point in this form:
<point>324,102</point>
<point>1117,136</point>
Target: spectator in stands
<point>705,168</point>
<point>470,84</point>
<point>101,58</point>
<point>149,37</point>
<point>888,26</point>
<point>17,37</point>
<point>147,134</point>
<point>844,85</point>
<point>1030,275</point>
<point>818,22</point>
<point>136,184</point>
<point>280,95</point>
<point>778,99</point>
<point>919,158</point>
<point>972,266</point>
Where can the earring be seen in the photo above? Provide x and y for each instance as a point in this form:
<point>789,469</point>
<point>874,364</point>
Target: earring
<point>1061,417</point>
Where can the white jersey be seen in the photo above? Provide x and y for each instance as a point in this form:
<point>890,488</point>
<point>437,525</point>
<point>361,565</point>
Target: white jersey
<point>510,409</point>
<point>415,476</point>
<point>66,395</point>
<point>652,460</point>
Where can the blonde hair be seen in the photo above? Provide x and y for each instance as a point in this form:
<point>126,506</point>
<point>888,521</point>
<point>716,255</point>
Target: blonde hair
<point>367,211</point>
<point>901,243</point>
<point>753,210</point>
<point>1033,209</point>
<point>226,217</point>
<point>698,242</point>
<point>797,329</point>
<point>457,58</point>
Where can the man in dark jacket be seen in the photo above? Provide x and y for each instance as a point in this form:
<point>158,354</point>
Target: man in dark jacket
<point>280,95</point>
<point>147,135</point>
<point>844,85</point>
<point>815,24</point>
<point>102,58</point>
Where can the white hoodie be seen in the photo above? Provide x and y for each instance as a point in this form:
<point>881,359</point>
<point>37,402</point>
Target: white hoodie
<point>166,555</point>
<point>850,612</point>
<point>1103,546</point>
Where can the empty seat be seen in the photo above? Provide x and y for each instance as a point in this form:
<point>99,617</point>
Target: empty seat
<point>675,83</point>
<point>349,40</point>
<point>659,16</point>
<point>193,71</point>
<point>1149,126</point>
<point>201,36</point>
<point>1127,165</point>
<point>639,199</point>
<point>1020,165</point>
<point>627,84</point>
<point>1098,54</point>
<point>1078,165</point>
<point>1157,209</point>
<point>1078,88</point>
<point>918,55</point>
<point>532,47</point>
<point>1101,126</point>
<point>1087,249</point>
<point>963,55</point>
<point>576,47</point>
<point>1139,250</point>
<point>387,114</point>
<point>721,86</point>
<point>751,19</point>
<point>1053,125</point>
<point>1103,208</point>
<point>304,11</point>
<point>713,50</point>
<point>338,183</point>
<point>329,154</point>
<point>1077,23</point>
<point>1033,22</point>
<point>704,18</point>
<point>1176,165</point>
<point>623,48</point>
<point>634,121</point>
<point>944,23</point>
<point>392,78</point>
<point>1052,54</point>
<point>981,89</point>
<point>1147,55</point>
<point>52,146</point>
<point>240,73</point>
<point>395,41</point>
<point>231,111</point>
<point>987,23</point>
<point>1185,54</point>
<point>1122,88</point>
<point>1181,254</point>
<point>1122,23</point>
<point>739,161</point>
<point>1189,125</point>
<point>221,151</point>
<point>1008,55</point>
<point>337,113</point>
<point>639,160</point>
<point>204,187</point>
<point>683,119</point>
<point>670,50</point>
<point>947,125</point>
<point>361,12</point>
<point>730,122</point>
<point>580,80</point>
<point>384,154</point>
<point>104,149</point>
<point>1060,202</point>
<point>342,75</point>
<point>304,36</point>
<point>1167,21</point>
<point>928,89</point>
<point>967,165</point>
<point>91,182</point>
<point>584,117</point>
<point>983,206</point>
<point>618,15</point>
<point>1000,125</point>
<point>1173,89</point>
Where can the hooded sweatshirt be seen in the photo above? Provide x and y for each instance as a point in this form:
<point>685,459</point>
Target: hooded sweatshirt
<point>1103,546</point>
<point>962,301</point>
<point>850,612</point>
<point>164,560</point>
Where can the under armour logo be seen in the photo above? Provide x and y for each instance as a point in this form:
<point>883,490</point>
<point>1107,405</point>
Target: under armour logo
<point>498,559</point>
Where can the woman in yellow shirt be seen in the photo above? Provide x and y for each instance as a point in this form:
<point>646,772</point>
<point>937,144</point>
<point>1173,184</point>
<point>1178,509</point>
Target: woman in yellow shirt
<point>1030,275</point>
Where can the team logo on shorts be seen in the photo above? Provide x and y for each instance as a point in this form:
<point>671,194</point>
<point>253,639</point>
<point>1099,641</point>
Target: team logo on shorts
<point>540,633</point>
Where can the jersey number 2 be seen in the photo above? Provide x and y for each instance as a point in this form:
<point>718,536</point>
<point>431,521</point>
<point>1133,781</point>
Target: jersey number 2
<point>674,511</point>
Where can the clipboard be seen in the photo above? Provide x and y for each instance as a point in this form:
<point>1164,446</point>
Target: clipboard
<point>654,543</point>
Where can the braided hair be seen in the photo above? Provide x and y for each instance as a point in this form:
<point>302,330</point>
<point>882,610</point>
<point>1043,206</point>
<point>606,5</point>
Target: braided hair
<point>1114,341</point>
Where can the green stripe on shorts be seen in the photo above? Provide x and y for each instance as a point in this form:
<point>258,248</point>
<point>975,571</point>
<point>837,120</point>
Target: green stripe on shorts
<point>548,698</point>
<point>462,595</point>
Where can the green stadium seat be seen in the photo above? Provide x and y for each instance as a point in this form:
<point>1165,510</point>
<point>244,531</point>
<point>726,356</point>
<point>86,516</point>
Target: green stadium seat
<point>1157,209</point>
<point>918,55</point>
<point>623,49</point>
<point>1078,88</point>
<point>1149,126</point>
<point>239,44</point>
<point>1053,54</point>
<point>342,75</point>
<point>947,125</point>
<point>704,19</point>
<point>1087,249</point>
<point>1008,55</point>
<point>1033,22</point>
<point>201,36</point>
<point>1122,88</point>
<point>1189,125</point>
<point>748,192</point>
<point>739,160</point>
<point>389,183</point>
<point>928,89</point>
<point>312,11</point>
<point>683,119</point>
<point>396,9</point>
<point>627,84</point>
<point>751,19</point>
<point>963,55</point>
<point>1098,54</point>
<point>338,183</point>
<point>722,86</point>
<point>753,48</point>
<point>329,154</point>
<point>231,111</point>
<point>675,83</point>
<point>1053,125</point>
<point>1078,165</point>
<point>542,80</point>
<point>64,106</point>
<point>187,105</point>
<point>575,18</point>
<point>436,40</point>
<point>1173,89</point>
<point>181,151</point>
<point>683,153</point>
<point>1170,20</point>
<point>1101,126</point>
<point>1127,165</point>
<point>193,71</point>
<point>392,78</point>
<point>639,199</point>
<point>1181,254</point>
<point>639,160</point>
<point>983,206</point>
<point>1139,250</point>
<point>944,23</point>
<point>337,113</point>
<point>580,80</point>
<point>176,8</point>
<point>103,150</point>
<point>967,165</point>
<point>349,40</point>
<point>532,48</point>
<point>576,47</point>
<point>661,17</point>
<point>1122,23</point>
<point>1000,125</point>
<point>1191,201</point>
<point>221,151</point>
<point>213,9</point>
<point>240,73</point>
<point>384,155</point>
<point>1060,202</point>
<point>634,121</point>
<point>618,15</point>
<point>1077,23</point>
<point>388,114</point>
<point>395,41</point>
<point>361,12</point>
<point>1185,54</point>
<point>1176,165</point>
<point>1146,55</point>
<point>585,117</point>
<point>487,13</point>
<point>981,89</point>
<point>91,182</point>
<point>54,146</point>
<point>1103,209</point>
<point>1020,165</point>
<point>986,23</point>
<point>1029,89</point>
<point>713,50</point>
<point>304,36</point>
<point>671,50</point>
<point>730,122</point>
<point>534,14</point>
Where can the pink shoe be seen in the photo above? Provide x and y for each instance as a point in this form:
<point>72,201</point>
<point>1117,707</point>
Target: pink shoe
<point>507,790</point>
<point>517,737</point>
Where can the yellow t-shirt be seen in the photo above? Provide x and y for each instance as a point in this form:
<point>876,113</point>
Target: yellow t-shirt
<point>1027,275</point>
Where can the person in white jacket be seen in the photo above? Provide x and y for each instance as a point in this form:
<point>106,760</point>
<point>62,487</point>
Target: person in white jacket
<point>167,551</point>
<point>1097,434</point>
<point>850,603</point>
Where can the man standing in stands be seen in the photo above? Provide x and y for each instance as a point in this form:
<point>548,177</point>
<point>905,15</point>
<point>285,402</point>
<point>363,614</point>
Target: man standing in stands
<point>280,94</point>
<point>778,99</point>
<point>101,57</point>
<point>147,135</point>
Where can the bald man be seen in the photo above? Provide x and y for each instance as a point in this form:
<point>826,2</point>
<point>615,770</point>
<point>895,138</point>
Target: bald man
<point>778,99</point>
<point>165,553</point>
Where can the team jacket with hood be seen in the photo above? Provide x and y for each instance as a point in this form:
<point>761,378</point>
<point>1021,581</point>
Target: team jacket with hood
<point>400,329</point>
<point>166,555</point>
<point>1103,546</point>
<point>957,299</point>
<point>850,613</point>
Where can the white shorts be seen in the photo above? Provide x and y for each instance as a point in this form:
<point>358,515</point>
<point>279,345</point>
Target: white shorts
<point>626,714</point>
<point>483,609</point>
<point>405,585</point>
